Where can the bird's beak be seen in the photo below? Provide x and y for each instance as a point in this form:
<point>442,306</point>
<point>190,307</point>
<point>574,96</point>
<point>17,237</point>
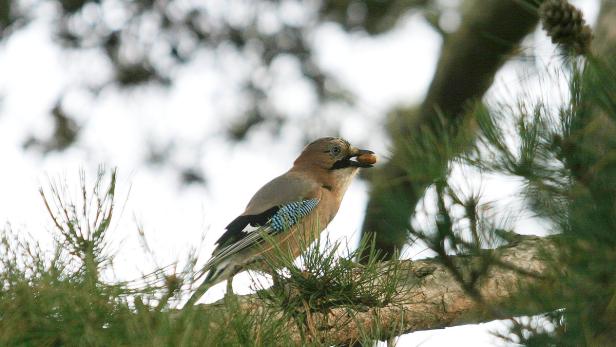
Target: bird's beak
<point>363,158</point>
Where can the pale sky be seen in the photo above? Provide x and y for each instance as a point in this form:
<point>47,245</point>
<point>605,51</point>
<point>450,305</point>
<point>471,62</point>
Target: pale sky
<point>119,124</point>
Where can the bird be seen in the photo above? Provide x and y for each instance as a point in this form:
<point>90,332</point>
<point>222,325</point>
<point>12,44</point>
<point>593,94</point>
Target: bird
<point>298,204</point>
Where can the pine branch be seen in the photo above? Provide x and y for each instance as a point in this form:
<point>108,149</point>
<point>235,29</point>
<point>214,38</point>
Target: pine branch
<point>431,297</point>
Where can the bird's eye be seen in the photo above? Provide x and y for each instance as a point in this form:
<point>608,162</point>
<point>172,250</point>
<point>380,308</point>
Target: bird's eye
<point>335,150</point>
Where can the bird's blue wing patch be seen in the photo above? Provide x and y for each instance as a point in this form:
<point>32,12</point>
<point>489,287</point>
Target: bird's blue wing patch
<point>245,231</point>
<point>290,214</point>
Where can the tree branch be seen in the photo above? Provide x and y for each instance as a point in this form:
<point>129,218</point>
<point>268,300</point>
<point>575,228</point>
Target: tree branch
<point>470,57</point>
<point>430,297</point>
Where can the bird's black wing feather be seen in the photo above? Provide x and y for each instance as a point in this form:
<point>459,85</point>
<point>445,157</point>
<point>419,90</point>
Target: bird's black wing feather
<point>235,230</point>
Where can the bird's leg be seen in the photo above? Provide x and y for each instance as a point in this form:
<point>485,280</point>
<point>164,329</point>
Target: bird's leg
<point>230,285</point>
<point>233,272</point>
<point>276,279</point>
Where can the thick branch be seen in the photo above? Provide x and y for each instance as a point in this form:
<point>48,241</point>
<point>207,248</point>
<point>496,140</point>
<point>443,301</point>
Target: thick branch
<point>469,59</point>
<point>431,298</point>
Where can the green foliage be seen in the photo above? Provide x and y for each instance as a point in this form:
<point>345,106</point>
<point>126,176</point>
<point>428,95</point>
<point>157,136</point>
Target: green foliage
<point>566,160</point>
<point>62,297</point>
<point>457,222</point>
<point>326,280</point>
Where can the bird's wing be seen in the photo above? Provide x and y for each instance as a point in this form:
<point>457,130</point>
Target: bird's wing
<point>279,205</point>
<point>284,217</point>
<point>281,190</point>
<point>238,237</point>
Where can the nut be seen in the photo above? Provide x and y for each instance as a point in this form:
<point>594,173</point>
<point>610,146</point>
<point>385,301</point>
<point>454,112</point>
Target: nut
<point>367,158</point>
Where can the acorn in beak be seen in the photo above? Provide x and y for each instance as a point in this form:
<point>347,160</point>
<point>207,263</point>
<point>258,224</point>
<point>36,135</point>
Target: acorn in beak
<point>361,158</point>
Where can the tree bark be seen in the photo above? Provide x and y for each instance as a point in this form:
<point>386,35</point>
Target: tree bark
<point>431,297</point>
<point>469,60</point>
<point>604,43</point>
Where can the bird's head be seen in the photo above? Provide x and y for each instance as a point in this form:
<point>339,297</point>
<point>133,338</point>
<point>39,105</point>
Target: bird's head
<point>335,155</point>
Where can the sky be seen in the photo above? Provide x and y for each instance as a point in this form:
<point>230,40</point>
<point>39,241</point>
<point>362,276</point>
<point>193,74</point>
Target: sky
<point>119,124</point>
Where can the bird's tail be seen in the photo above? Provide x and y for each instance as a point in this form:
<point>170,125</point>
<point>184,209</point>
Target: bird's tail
<point>214,274</point>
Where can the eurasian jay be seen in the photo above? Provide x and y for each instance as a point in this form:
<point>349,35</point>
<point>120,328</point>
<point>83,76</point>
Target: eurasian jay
<point>296,205</point>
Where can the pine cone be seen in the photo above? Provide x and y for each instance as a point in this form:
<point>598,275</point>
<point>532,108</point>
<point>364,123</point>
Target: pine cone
<point>565,24</point>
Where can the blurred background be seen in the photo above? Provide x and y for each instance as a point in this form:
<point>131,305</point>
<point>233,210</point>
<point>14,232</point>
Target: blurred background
<point>200,103</point>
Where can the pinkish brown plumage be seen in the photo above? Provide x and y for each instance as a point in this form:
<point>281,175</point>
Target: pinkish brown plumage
<point>291,209</point>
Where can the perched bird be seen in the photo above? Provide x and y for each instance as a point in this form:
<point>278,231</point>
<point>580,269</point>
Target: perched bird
<point>292,207</point>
